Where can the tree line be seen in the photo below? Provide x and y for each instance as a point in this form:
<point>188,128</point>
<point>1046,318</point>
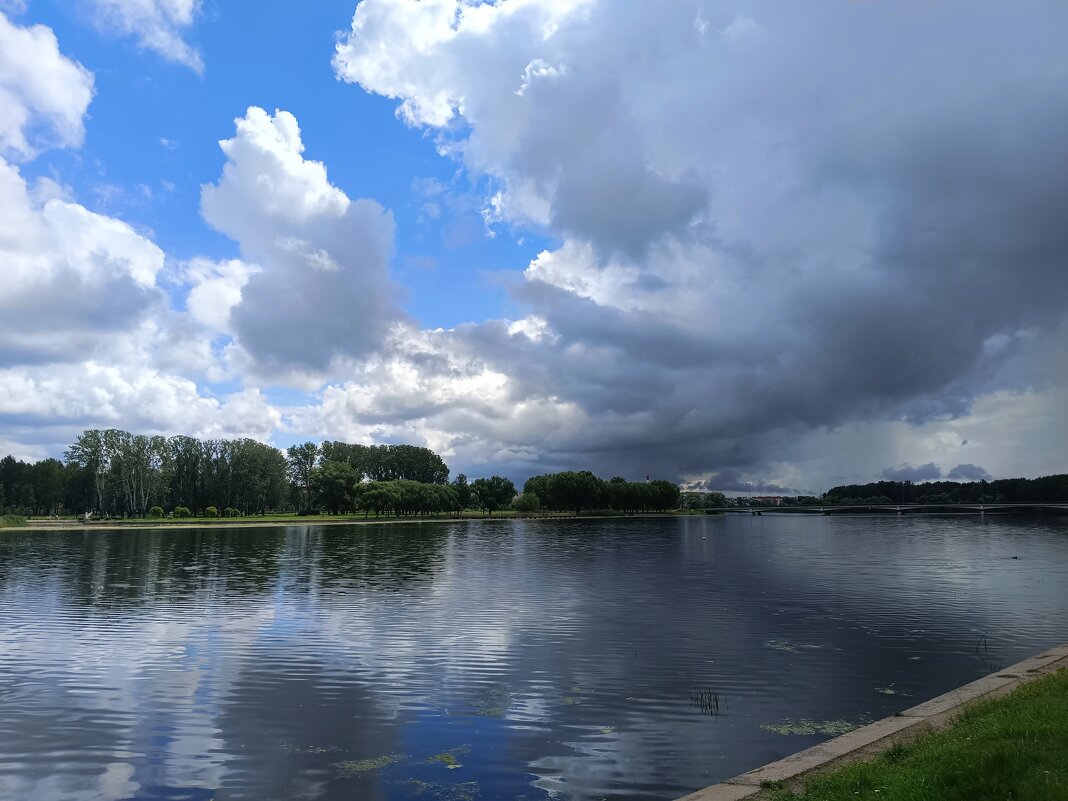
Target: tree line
<point>1046,489</point>
<point>118,474</point>
<point>580,491</point>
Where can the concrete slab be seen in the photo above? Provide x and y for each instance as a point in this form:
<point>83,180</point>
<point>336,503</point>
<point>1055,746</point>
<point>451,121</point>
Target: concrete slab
<point>961,695</point>
<point>723,792</point>
<point>867,736</point>
<point>788,768</point>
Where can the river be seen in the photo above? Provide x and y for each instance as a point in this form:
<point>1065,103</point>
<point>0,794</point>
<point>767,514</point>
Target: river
<point>582,659</point>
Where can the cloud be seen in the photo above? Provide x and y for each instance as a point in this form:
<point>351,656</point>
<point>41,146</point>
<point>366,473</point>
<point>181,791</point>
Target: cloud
<point>70,276</point>
<point>214,289</point>
<point>782,249</point>
<point>43,94</point>
<point>813,261</point>
<point>157,25</point>
<point>733,482</point>
<point>322,289</point>
<point>576,158</point>
<point>925,472</point>
<point>89,336</point>
<point>968,472</point>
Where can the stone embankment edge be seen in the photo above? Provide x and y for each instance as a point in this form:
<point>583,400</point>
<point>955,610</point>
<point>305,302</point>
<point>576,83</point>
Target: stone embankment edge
<point>868,741</point>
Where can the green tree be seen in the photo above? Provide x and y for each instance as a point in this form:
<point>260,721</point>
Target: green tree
<point>333,484</point>
<point>527,502</point>
<point>377,497</point>
<point>463,491</point>
<point>302,460</point>
<point>493,493</point>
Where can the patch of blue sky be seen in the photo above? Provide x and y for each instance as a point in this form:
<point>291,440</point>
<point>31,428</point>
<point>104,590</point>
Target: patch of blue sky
<point>153,130</point>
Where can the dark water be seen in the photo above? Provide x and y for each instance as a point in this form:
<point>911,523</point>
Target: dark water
<point>534,659</point>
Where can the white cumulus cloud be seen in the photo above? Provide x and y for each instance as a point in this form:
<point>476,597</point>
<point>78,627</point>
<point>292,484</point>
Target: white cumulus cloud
<point>322,290</point>
<point>43,94</point>
<point>157,25</point>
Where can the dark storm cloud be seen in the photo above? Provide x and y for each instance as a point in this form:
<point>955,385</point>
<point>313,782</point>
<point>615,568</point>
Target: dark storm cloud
<point>968,472</point>
<point>925,472</point>
<point>732,481</point>
<point>799,218</point>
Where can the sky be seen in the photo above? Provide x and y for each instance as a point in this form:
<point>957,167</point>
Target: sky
<point>750,246</point>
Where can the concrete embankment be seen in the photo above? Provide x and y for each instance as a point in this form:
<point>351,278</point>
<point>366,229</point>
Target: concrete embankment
<point>868,741</point>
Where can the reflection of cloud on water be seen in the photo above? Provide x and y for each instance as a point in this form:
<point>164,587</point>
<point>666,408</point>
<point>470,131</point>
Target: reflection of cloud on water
<point>571,651</point>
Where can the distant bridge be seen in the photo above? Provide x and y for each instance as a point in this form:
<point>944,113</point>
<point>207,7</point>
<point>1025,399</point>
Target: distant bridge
<point>892,508</point>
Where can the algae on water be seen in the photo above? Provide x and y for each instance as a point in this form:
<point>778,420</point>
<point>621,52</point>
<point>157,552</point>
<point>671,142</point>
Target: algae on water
<point>890,691</point>
<point>790,647</point>
<point>807,726</point>
<point>494,703</point>
<point>310,749</point>
<point>361,766</point>
<point>448,758</point>
<point>465,791</point>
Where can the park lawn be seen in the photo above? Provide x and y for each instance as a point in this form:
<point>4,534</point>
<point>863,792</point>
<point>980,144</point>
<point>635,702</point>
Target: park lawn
<point>1013,748</point>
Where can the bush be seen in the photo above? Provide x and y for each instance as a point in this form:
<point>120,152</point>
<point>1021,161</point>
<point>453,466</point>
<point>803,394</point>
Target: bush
<point>230,511</point>
<point>156,511</point>
<point>211,511</point>
<point>182,511</point>
<point>527,502</point>
<point>12,521</point>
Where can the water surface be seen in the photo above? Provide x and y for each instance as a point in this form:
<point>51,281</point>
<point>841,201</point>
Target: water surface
<point>491,660</point>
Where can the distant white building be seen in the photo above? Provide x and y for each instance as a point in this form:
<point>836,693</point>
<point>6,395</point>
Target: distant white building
<point>768,500</point>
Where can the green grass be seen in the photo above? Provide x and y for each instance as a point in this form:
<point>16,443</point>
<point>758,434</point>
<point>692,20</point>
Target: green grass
<point>12,521</point>
<point>1010,749</point>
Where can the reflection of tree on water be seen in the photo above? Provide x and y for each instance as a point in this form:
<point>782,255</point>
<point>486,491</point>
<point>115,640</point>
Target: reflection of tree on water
<point>132,568</point>
<point>386,557</point>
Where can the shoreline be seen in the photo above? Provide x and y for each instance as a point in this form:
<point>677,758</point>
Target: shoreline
<point>869,741</point>
<point>275,521</point>
<point>245,522</point>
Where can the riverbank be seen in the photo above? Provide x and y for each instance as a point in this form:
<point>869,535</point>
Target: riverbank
<point>44,524</point>
<point>1001,737</point>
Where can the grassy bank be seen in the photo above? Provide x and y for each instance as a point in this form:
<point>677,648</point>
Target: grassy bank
<point>12,521</point>
<point>1009,749</point>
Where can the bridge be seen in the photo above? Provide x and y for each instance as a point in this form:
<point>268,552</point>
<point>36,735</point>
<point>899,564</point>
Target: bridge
<point>894,508</point>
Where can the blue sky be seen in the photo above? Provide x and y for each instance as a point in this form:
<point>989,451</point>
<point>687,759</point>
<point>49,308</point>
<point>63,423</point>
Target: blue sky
<point>742,244</point>
<point>445,264</point>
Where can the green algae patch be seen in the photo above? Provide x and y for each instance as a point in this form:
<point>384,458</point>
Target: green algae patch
<point>790,647</point>
<point>449,758</point>
<point>831,728</point>
<point>494,703</point>
<point>891,691</point>
<point>441,791</point>
<point>569,700</point>
<point>361,766</point>
<point>310,749</point>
